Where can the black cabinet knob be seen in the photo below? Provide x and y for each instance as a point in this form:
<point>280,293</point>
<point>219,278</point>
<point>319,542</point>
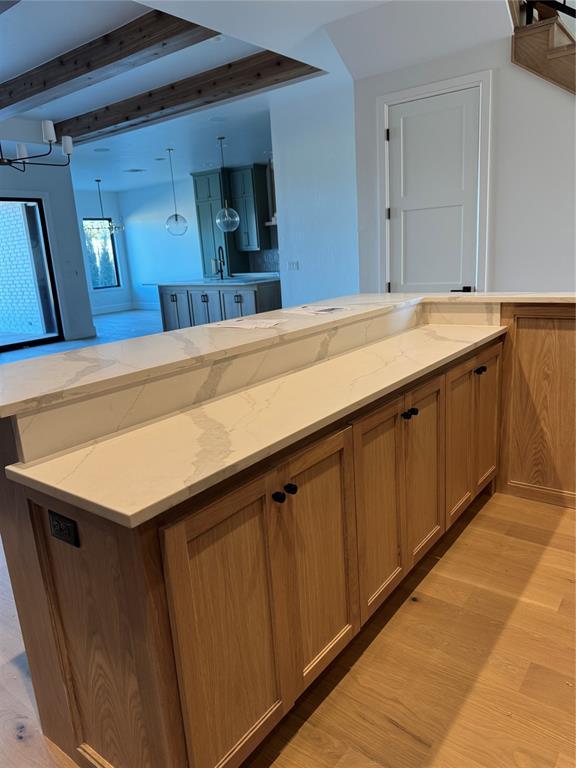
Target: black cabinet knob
<point>291,488</point>
<point>414,411</point>
<point>480,370</point>
<point>279,497</point>
<point>406,415</point>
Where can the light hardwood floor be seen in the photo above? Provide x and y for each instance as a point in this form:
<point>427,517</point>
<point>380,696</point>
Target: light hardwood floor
<point>469,664</point>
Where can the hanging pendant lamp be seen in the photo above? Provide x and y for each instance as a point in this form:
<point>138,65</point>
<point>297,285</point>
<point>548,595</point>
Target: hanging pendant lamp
<point>113,226</point>
<point>175,224</point>
<point>227,219</point>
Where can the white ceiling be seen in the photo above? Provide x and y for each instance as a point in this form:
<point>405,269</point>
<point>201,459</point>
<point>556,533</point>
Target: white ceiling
<point>246,125</point>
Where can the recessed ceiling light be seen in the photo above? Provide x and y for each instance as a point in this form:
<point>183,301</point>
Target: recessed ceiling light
<point>101,149</point>
<point>159,159</point>
<point>135,170</point>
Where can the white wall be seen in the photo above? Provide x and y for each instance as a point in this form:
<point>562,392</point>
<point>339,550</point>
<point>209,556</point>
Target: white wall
<point>315,171</point>
<point>105,299</point>
<point>54,187</point>
<point>532,200</point>
<point>155,256</point>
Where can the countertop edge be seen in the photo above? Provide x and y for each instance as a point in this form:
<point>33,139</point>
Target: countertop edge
<point>16,472</point>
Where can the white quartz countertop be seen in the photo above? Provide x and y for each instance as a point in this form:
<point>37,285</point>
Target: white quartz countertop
<point>41,382</point>
<point>133,476</point>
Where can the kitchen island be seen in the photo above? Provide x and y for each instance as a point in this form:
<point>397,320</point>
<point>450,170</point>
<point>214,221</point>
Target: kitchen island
<point>197,523</point>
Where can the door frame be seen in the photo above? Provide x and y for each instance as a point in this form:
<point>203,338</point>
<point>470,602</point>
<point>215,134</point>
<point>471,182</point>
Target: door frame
<point>482,80</point>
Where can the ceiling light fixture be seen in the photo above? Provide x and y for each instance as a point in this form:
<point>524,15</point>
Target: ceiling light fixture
<point>113,226</point>
<point>227,219</point>
<point>175,224</point>
<point>23,159</point>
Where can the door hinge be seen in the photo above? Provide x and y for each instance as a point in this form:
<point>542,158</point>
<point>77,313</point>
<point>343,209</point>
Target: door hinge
<point>388,288</point>
<point>388,213</point>
<point>387,134</point>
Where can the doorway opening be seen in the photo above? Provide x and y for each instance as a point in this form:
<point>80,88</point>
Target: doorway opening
<point>29,313</point>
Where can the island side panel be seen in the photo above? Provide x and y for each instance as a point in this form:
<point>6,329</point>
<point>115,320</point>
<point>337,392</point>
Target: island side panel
<point>33,604</point>
<point>97,632</point>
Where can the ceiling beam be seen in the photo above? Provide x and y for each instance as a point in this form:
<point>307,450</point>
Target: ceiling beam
<point>145,39</point>
<point>254,73</point>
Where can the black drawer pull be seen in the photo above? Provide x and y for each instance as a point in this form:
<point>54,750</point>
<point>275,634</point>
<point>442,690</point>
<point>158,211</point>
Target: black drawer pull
<point>406,415</point>
<point>291,488</point>
<point>238,298</point>
<point>204,298</point>
<point>480,370</point>
<point>173,297</point>
<point>279,497</point>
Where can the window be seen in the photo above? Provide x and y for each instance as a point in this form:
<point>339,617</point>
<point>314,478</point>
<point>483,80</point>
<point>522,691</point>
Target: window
<point>28,304</point>
<point>102,260</point>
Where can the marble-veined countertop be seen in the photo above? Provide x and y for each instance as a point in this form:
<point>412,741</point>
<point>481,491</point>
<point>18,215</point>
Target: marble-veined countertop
<point>133,476</point>
<point>42,382</point>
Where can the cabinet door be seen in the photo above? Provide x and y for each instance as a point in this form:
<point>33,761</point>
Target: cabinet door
<point>205,306</point>
<point>225,632</point>
<point>424,467</point>
<point>379,473</point>
<point>460,439</point>
<point>238,303</point>
<point>314,536</point>
<point>207,186</point>
<point>246,236</point>
<point>175,309</point>
<point>487,417</point>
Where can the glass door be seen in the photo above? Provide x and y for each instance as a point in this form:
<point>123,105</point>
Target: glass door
<point>28,304</point>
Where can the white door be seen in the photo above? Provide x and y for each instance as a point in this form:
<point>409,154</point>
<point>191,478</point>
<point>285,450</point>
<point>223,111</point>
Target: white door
<point>434,149</point>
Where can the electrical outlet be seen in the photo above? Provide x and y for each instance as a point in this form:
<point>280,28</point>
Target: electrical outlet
<point>293,266</point>
<point>64,529</point>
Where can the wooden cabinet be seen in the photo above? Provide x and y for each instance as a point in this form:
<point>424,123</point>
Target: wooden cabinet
<point>380,503</point>
<point>225,625</point>
<point>539,403</point>
<point>461,423</point>
<point>238,303</point>
<point>206,306</point>
<point>486,415</point>
<point>263,594</point>
<point>424,433</point>
<point>315,540</point>
<point>472,428</point>
<point>174,308</point>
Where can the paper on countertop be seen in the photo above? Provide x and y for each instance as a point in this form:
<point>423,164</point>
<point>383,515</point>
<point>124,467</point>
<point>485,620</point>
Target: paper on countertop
<point>247,322</point>
<point>312,309</point>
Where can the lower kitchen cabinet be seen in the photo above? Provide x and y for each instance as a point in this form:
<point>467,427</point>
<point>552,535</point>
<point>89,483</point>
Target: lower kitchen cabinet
<point>206,306</point>
<point>472,425</point>
<point>424,434</point>
<point>263,594</point>
<point>380,503</point>
<point>238,303</point>
<point>314,539</point>
<point>227,630</point>
<point>486,415</point>
<point>174,308</point>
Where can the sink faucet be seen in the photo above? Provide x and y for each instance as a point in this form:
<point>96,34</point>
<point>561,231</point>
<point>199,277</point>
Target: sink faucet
<point>220,262</point>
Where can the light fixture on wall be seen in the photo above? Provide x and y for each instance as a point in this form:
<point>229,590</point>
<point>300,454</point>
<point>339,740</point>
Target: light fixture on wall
<point>23,159</point>
<point>113,226</point>
<point>227,219</point>
<point>175,224</point>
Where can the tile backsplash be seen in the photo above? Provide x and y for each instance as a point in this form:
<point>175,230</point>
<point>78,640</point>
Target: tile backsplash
<point>265,261</point>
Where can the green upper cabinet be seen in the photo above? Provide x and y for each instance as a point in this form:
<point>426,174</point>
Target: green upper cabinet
<point>208,186</point>
<point>250,199</point>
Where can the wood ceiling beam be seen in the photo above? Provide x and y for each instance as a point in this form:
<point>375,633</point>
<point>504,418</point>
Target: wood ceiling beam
<point>254,73</point>
<point>142,40</point>
<point>5,5</point>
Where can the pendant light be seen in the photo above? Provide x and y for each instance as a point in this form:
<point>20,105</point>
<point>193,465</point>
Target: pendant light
<point>175,224</point>
<point>227,219</point>
<point>113,226</point>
